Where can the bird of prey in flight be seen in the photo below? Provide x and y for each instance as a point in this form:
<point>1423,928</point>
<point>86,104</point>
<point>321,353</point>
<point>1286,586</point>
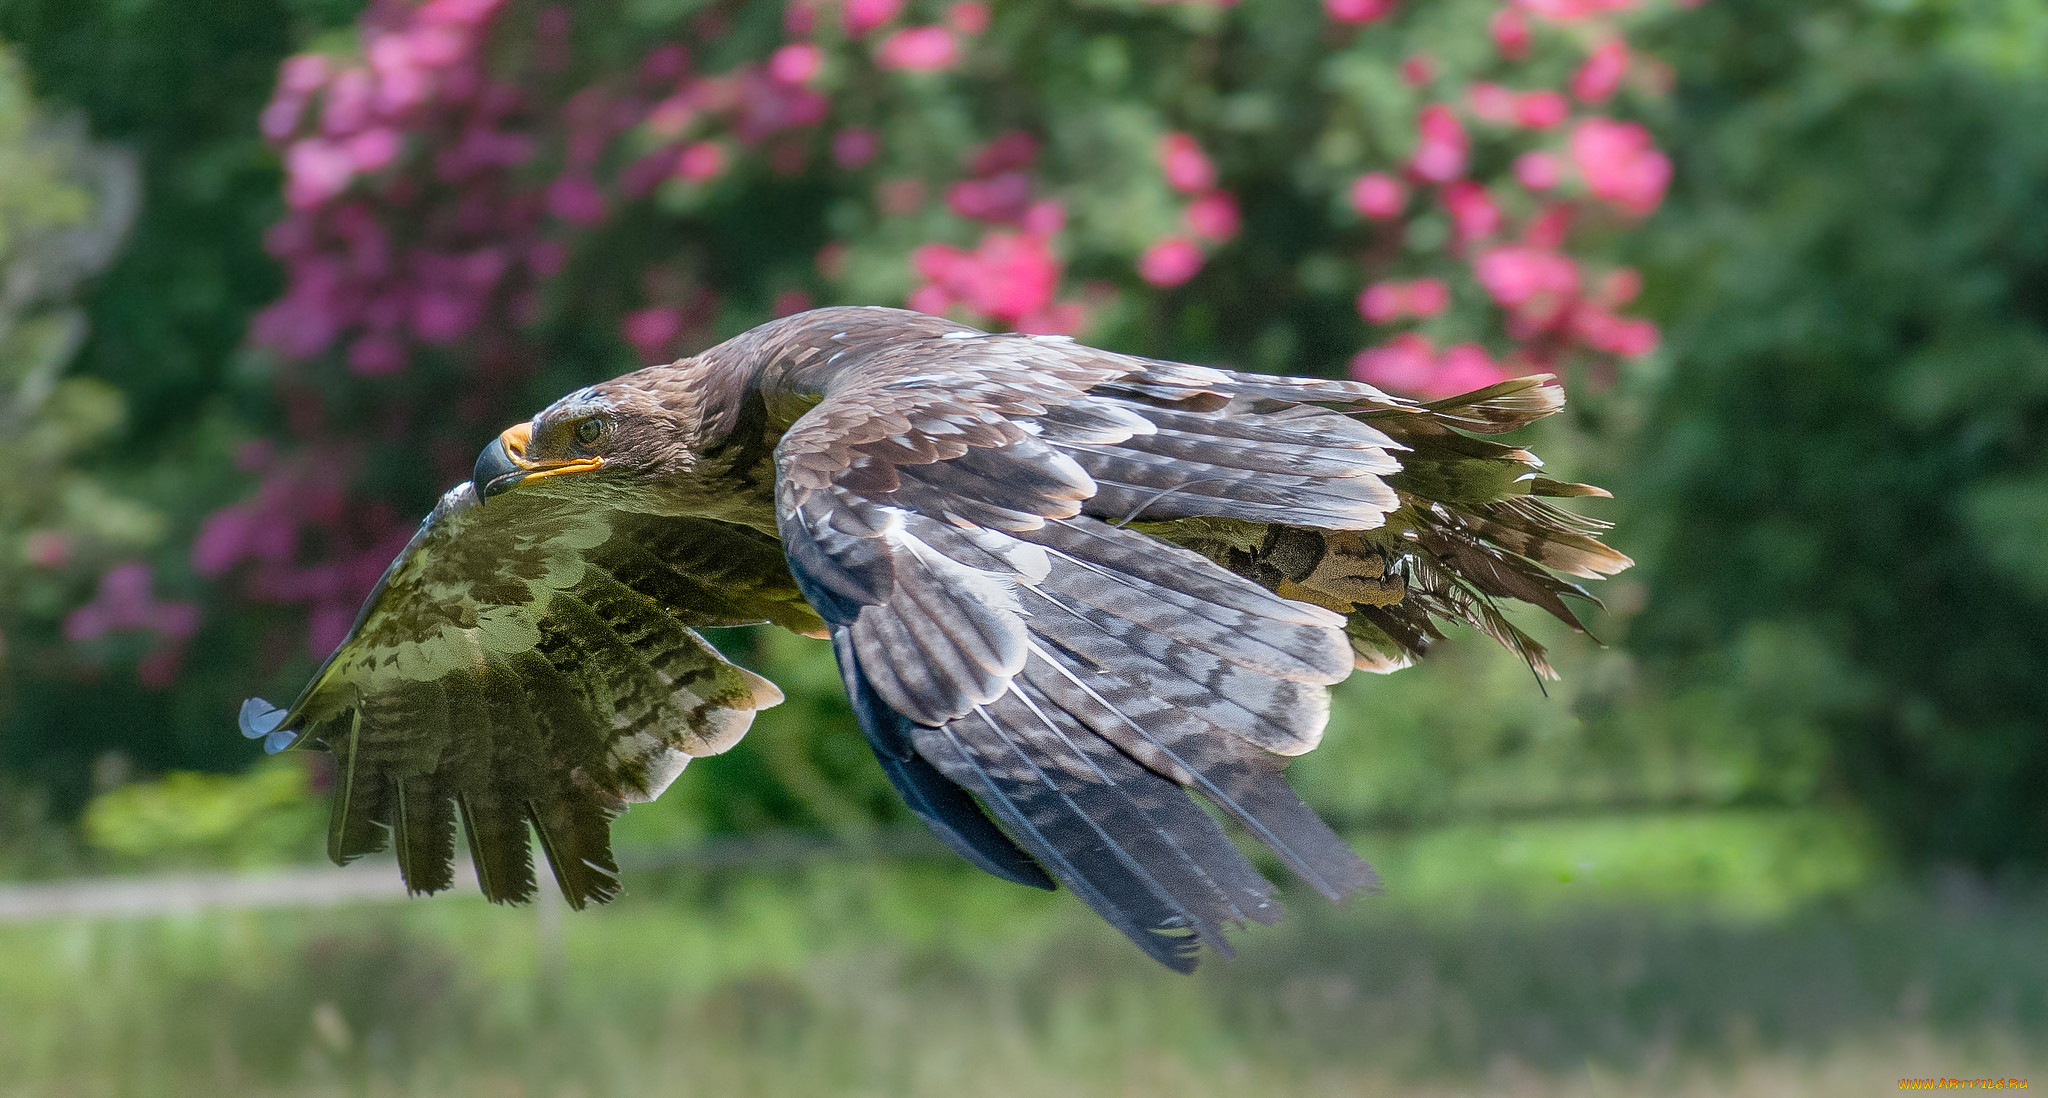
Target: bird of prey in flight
<point>1070,592</point>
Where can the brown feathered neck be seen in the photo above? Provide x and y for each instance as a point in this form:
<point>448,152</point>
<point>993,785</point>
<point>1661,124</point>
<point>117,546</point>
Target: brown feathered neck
<point>747,391</point>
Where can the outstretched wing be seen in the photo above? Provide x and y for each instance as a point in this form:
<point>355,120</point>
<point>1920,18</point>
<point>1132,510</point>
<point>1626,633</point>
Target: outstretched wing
<point>952,506</point>
<point>525,663</point>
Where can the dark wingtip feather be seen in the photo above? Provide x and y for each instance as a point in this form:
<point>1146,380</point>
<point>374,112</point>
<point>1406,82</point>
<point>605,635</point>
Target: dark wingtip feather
<point>576,836</point>
<point>499,847</point>
<point>423,835</point>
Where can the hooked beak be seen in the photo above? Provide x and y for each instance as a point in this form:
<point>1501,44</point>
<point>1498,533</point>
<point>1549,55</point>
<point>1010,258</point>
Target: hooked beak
<point>503,465</point>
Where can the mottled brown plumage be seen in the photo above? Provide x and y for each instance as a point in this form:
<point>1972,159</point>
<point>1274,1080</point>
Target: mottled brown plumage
<point>1069,591</point>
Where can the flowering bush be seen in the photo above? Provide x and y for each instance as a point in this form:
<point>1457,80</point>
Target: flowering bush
<point>490,201</point>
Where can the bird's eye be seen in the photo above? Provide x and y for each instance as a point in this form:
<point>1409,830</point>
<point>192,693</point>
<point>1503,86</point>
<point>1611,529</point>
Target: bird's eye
<point>589,431</point>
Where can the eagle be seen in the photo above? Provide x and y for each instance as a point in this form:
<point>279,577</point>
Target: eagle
<point>1073,595</point>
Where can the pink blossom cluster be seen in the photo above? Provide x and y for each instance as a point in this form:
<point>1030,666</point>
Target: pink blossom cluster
<point>127,603</point>
<point>1512,234</point>
<point>1410,363</point>
<point>267,535</point>
<point>419,96</point>
<point>1011,277</point>
<point>1210,217</point>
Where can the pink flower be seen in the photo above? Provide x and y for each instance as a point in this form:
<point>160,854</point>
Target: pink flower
<point>125,603</point>
<point>1404,362</point>
<point>280,118</point>
<point>1170,261</point>
<point>1474,216</point>
<point>223,540</point>
<point>1058,318</point>
<point>1550,226</point>
<point>1538,171</point>
<point>1621,164</point>
<point>863,16</point>
<point>1010,150</point>
<point>792,302</point>
<point>1187,168</point>
<point>854,147</point>
<point>918,49</point>
<point>373,150</point>
<point>1383,301</point>
<point>664,64</point>
<point>315,171</point>
<point>1463,368</point>
<point>1510,33</point>
<point>1601,75</point>
<point>796,63</point>
<point>1440,155</point>
<point>931,298</point>
<point>1428,297</point>
<point>1603,331</point>
<point>1379,196</point>
<point>376,355</point>
<point>1570,11</point>
<point>1492,102</point>
<point>1017,277</point>
<point>701,161</point>
<point>349,102</point>
<point>303,74</point>
<point>1537,287</point>
<point>443,316</point>
<point>1540,110</point>
<point>1517,275</point>
<point>1387,301</point>
<point>576,200</point>
<point>652,332</point>
<point>969,17</point>
<point>1358,11</point>
<point>999,198</point>
<point>1214,217</point>
<point>1045,218</point>
<point>1418,70</point>
<point>1409,363</point>
<point>1008,277</point>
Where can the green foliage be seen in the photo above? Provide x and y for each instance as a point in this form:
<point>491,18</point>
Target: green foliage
<point>1853,437</point>
<point>266,816</point>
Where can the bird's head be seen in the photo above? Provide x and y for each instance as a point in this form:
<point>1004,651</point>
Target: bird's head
<point>606,436</point>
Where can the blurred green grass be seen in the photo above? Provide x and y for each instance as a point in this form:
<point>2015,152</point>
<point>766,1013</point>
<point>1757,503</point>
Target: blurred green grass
<point>912,978</point>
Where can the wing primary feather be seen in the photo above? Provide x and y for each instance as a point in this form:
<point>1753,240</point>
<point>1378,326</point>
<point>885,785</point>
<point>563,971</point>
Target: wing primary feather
<point>575,834</point>
<point>499,846</point>
<point>1149,920</point>
<point>356,826</point>
<point>1243,789</point>
<point>423,834</point>
<point>946,809</point>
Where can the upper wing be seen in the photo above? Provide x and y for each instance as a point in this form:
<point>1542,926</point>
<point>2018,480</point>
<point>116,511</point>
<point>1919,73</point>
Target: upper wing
<point>525,663</point>
<point>943,506</point>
